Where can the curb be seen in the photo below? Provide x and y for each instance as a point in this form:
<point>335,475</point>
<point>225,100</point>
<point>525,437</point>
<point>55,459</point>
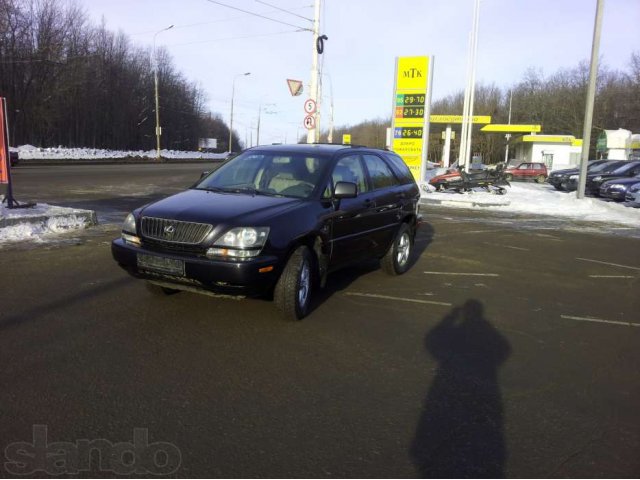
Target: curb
<point>88,216</point>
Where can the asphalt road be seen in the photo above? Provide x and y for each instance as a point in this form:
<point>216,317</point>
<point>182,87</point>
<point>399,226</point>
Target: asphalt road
<point>511,348</point>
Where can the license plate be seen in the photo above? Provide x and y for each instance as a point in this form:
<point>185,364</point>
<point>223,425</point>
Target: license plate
<point>161,264</point>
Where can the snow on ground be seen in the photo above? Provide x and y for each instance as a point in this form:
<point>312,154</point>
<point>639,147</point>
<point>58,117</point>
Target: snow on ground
<point>534,199</point>
<point>29,152</point>
<point>40,222</point>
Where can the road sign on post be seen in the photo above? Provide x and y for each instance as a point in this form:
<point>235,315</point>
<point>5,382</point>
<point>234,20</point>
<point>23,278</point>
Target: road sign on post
<point>309,122</point>
<point>411,108</point>
<point>310,106</point>
<point>295,87</point>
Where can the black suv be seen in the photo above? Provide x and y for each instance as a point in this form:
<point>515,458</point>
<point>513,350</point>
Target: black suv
<point>276,220</point>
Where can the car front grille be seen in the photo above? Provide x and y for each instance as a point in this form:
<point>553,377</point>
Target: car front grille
<point>174,231</point>
<point>169,247</point>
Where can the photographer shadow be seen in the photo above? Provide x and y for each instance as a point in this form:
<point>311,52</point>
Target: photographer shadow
<point>460,432</point>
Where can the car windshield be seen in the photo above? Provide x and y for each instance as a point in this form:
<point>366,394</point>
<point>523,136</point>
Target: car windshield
<point>267,173</point>
<point>625,168</point>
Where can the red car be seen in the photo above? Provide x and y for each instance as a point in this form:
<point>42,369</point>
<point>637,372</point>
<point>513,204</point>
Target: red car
<point>527,171</point>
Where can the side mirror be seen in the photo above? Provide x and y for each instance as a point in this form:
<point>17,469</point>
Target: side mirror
<point>345,190</point>
<point>204,174</point>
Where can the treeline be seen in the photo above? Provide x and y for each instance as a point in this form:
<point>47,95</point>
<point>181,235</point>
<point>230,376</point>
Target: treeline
<point>557,102</point>
<point>70,82</point>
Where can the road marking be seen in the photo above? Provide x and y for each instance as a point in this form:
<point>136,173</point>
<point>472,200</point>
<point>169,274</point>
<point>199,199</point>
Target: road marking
<point>607,263</point>
<point>401,299</point>
<point>599,320</point>
<point>507,246</point>
<point>611,276</point>
<point>464,274</point>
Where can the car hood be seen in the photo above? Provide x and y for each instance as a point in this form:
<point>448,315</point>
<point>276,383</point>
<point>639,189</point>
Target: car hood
<point>622,180</point>
<point>564,171</point>
<point>203,206</point>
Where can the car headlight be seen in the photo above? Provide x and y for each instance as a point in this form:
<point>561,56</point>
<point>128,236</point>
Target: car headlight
<point>240,243</point>
<point>615,185</point>
<point>598,178</point>
<point>129,231</point>
<point>573,177</point>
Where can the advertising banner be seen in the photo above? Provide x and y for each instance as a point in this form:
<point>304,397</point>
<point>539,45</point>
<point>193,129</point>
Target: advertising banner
<point>412,102</point>
<point>4,146</point>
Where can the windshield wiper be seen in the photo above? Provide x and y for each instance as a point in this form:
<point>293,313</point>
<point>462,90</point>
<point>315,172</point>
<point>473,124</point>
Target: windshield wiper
<point>210,189</point>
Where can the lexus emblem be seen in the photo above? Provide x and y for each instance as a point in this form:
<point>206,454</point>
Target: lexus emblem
<point>169,230</point>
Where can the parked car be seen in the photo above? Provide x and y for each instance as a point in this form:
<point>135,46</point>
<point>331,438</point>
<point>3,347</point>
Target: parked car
<point>633,194</point>
<point>617,188</point>
<point>570,184</point>
<point>276,220</point>
<point>527,171</point>
<point>626,170</point>
<point>558,177</point>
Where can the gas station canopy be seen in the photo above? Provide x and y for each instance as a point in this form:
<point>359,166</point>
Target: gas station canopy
<point>511,128</point>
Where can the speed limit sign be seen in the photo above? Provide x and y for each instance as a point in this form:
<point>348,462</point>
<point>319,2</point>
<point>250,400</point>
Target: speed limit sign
<point>310,106</point>
<point>309,122</point>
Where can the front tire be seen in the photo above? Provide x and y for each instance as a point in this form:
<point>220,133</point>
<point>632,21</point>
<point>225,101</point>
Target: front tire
<point>396,260</point>
<point>292,294</point>
<point>508,177</point>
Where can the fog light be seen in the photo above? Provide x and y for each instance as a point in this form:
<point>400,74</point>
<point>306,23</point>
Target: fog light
<point>131,239</point>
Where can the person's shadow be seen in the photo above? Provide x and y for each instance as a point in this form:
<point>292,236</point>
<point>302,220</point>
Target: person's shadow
<point>460,432</point>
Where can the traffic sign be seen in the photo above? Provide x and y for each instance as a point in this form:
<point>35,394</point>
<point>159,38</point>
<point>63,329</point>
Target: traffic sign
<point>309,122</point>
<point>310,106</point>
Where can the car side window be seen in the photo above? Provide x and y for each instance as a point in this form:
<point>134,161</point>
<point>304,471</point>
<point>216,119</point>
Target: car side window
<point>379,172</point>
<point>524,166</point>
<point>349,169</point>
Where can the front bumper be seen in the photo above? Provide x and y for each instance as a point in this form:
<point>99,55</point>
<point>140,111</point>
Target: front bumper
<point>200,273</point>
<point>612,193</point>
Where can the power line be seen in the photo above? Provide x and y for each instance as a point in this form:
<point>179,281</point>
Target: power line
<point>220,20</point>
<point>234,38</point>
<point>258,15</point>
<point>285,11</point>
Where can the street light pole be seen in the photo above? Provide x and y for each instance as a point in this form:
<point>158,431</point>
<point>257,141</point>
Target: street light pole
<point>155,81</point>
<point>233,91</point>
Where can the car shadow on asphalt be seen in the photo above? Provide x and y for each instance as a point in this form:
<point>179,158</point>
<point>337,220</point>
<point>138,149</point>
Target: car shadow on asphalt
<point>342,279</point>
<point>460,433</point>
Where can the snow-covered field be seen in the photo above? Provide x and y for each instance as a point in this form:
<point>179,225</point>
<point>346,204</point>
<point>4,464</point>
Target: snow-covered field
<point>29,152</point>
<point>534,199</point>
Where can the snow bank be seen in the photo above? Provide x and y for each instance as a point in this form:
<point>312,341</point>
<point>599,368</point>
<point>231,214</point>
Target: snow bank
<point>529,198</point>
<point>41,222</point>
<point>29,152</point>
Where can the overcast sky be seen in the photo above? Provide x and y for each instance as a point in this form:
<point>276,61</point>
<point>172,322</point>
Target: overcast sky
<point>211,44</point>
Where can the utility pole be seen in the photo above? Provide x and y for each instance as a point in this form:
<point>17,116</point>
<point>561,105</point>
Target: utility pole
<point>233,91</point>
<point>312,134</point>
<point>591,93</point>
<point>258,129</point>
<point>508,135</point>
<point>157,96</point>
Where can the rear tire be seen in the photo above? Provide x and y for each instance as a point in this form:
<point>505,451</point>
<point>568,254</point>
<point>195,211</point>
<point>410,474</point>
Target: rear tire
<point>508,177</point>
<point>292,293</point>
<point>396,260</point>
<point>540,178</point>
